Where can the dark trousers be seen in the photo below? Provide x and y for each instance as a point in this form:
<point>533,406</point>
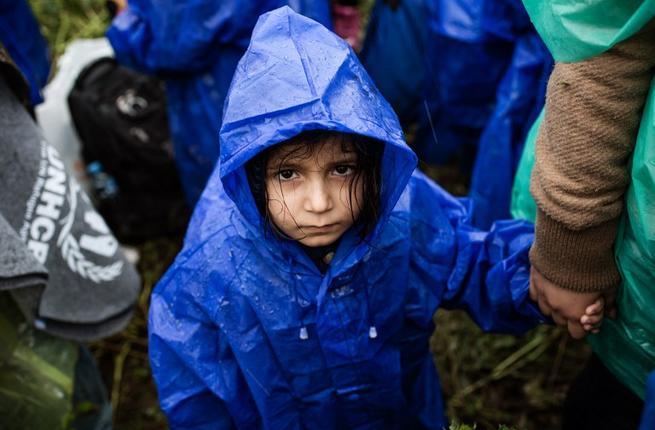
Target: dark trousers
<point>597,400</point>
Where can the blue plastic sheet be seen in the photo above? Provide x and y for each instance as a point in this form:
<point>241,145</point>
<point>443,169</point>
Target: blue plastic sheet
<point>486,75</point>
<point>520,97</point>
<point>648,415</point>
<point>195,46</point>
<point>465,61</point>
<point>442,63</point>
<point>20,34</point>
<point>394,55</point>
<point>245,331</point>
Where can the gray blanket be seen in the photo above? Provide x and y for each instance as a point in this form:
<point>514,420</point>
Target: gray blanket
<point>47,223</point>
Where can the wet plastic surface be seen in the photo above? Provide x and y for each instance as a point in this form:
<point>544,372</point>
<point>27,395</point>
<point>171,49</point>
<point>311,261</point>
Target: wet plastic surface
<point>244,329</point>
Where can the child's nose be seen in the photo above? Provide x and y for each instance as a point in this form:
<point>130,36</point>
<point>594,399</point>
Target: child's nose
<point>318,198</point>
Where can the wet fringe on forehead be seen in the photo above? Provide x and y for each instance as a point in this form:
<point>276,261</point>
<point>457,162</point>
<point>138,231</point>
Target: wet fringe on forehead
<point>367,169</point>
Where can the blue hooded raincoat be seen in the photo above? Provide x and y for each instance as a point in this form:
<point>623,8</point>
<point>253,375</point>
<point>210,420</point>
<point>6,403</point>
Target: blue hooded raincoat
<point>195,46</point>
<point>486,83</point>
<point>20,34</point>
<point>245,331</point>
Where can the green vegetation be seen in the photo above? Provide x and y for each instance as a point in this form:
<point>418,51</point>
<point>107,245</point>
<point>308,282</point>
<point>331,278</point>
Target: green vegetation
<point>492,379</point>
<point>65,20</point>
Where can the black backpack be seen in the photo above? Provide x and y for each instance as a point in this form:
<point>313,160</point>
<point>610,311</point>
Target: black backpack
<point>120,117</point>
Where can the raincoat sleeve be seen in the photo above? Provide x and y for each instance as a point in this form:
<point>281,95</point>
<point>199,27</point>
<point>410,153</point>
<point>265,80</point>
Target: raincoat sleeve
<point>485,273</point>
<point>190,362</point>
<point>172,36</point>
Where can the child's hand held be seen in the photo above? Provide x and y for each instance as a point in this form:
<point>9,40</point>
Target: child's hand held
<point>593,317</point>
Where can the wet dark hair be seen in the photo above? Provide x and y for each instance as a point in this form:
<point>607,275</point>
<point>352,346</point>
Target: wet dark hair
<point>367,169</point>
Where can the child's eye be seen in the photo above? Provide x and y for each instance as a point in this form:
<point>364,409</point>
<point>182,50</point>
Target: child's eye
<point>286,174</point>
<point>344,170</point>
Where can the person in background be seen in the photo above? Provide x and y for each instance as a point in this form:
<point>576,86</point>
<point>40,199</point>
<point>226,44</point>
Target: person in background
<point>393,54</point>
<point>466,78</point>
<point>22,38</point>
<point>347,21</point>
<point>593,207</point>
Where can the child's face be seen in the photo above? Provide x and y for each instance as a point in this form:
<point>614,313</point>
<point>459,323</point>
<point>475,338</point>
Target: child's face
<point>314,197</point>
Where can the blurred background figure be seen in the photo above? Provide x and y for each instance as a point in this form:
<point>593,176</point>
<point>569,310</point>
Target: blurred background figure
<point>487,70</point>
<point>348,21</point>
<point>466,78</point>
<point>394,54</point>
<point>194,46</point>
<point>21,37</point>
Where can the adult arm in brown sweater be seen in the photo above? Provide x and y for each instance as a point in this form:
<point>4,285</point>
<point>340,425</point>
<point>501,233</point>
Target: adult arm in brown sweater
<point>584,145</point>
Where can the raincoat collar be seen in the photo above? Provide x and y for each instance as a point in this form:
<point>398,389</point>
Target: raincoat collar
<point>296,76</point>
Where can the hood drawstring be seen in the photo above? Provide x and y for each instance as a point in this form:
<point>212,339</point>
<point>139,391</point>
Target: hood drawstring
<point>372,329</point>
<point>303,334</point>
<point>372,332</point>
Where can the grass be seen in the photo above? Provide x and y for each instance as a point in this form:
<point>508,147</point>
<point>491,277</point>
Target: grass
<point>489,380</point>
<point>64,20</point>
<point>123,359</point>
<point>492,379</point>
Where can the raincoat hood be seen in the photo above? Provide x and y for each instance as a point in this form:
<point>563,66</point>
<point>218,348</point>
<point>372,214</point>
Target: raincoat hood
<point>296,76</point>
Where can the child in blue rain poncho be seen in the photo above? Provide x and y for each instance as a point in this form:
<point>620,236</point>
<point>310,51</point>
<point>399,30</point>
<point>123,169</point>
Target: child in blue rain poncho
<point>317,255</point>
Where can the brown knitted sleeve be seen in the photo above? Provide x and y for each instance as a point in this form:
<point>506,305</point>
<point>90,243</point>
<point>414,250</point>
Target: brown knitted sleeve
<point>583,148</point>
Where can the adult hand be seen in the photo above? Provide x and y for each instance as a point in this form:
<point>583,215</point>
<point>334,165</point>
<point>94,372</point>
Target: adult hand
<point>564,306</point>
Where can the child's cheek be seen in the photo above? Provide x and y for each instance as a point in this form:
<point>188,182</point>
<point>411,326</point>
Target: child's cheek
<point>275,206</point>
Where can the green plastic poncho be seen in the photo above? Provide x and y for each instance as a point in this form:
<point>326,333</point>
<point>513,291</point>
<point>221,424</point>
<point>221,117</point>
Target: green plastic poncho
<point>575,31</point>
<point>36,374</point>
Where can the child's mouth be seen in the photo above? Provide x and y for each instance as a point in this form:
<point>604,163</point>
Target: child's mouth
<point>318,229</point>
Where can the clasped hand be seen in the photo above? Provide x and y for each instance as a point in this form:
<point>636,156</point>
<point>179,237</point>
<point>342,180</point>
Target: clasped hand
<point>579,312</point>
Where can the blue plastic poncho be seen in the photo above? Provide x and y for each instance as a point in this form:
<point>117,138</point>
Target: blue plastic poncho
<point>487,70</point>
<point>20,34</point>
<point>469,46</point>
<point>245,331</point>
<point>520,97</point>
<point>195,45</point>
<point>394,55</point>
<point>648,414</point>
